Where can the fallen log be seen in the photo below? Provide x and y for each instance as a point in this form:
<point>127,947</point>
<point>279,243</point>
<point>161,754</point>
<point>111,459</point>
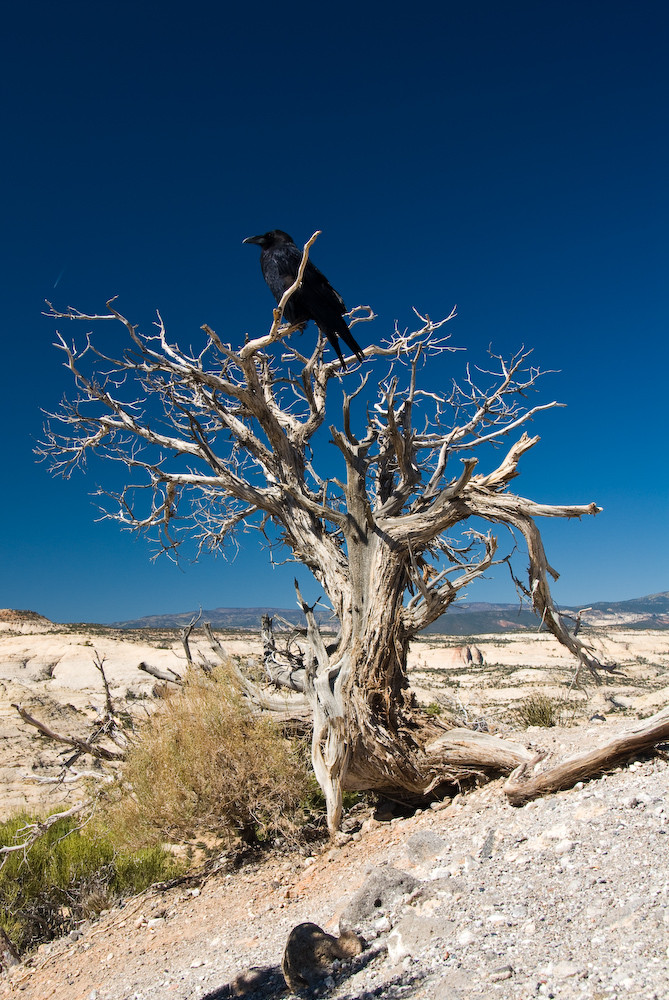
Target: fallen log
<point>520,789</point>
<point>169,676</point>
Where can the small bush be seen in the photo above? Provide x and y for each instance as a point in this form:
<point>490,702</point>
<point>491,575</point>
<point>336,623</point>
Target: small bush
<point>205,764</point>
<point>66,876</point>
<point>542,710</point>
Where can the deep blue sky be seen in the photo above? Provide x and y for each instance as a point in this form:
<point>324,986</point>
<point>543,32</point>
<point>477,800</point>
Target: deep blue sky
<point>510,158</point>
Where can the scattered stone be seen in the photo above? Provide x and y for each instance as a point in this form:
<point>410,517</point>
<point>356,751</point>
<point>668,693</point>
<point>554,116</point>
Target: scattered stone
<point>565,970</point>
<point>424,845</point>
<point>382,925</point>
<point>415,933</point>
<point>564,846</point>
<point>378,897</point>
<point>310,952</point>
<point>488,844</point>
<point>500,974</point>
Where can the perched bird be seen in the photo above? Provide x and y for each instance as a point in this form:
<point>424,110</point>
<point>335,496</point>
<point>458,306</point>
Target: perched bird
<point>315,299</point>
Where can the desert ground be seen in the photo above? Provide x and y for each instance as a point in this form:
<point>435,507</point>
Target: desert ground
<point>50,670</point>
<point>565,897</point>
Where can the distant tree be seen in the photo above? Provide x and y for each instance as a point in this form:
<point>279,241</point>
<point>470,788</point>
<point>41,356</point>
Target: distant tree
<point>217,440</point>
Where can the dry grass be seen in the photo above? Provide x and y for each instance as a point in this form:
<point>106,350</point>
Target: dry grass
<point>540,709</point>
<point>204,764</point>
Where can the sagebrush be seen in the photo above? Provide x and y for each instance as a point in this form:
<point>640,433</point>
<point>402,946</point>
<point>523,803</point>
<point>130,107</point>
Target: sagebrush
<point>540,709</point>
<point>205,764</point>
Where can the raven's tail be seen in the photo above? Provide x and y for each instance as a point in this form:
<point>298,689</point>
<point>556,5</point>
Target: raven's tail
<point>349,340</point>
<point>334,340</point>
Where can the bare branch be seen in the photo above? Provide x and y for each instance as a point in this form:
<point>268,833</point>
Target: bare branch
<point>519,789</point>
<point>82,746</point>
<point>215,441</point>
<point>33,831</point>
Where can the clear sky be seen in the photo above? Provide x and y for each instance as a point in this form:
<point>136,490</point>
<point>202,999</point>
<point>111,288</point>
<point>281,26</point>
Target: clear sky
<point>510,158</point>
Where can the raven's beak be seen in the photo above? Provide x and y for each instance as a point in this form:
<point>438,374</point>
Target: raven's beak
<point>253,239</point>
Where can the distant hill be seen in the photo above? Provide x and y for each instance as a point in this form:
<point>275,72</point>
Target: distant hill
<point>462,619</point>
<point>225,618</point>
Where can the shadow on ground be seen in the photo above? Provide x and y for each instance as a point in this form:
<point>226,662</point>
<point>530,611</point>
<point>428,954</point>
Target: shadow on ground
<point>267,983</point>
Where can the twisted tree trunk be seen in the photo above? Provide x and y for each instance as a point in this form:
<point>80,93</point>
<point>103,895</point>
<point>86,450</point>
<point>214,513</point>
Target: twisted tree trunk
<point>219,438</point>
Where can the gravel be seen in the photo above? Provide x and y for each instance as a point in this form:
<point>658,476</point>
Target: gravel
<point>565,897</point>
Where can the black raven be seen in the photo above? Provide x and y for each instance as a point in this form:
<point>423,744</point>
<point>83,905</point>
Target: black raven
<point>316,299</point>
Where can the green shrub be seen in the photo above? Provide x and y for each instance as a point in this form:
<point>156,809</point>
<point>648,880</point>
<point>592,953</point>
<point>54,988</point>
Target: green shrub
<point>67,875</point>
<point>205,765</point>
<point>541,710</point>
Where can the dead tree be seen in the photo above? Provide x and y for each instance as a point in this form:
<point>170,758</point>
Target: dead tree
<point>217,440</point>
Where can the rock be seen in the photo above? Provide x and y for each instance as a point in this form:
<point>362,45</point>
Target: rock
<point>382,925</point>
<point>424,845</point>
<point>500,974</point>
<point>414,933</point>
<point>564,846</point>
<point>377,897</point>
<point>560,832</point>
<point>488,844</point>
<point>396,948</point>
<point>310,952</point>
<point>460,656</point>
<point>565,970</point>
<point>466,937</point>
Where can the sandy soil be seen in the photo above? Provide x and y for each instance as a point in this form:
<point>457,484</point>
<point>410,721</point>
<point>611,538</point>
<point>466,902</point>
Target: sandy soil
<point>50,670</point>
<point>512,903</point>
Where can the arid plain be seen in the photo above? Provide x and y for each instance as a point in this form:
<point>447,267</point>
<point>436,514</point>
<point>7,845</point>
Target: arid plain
<point>50,670</point>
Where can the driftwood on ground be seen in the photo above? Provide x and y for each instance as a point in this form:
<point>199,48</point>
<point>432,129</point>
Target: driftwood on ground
<point>644,737</point>
<point>169,676</point>
<point>81,746</point>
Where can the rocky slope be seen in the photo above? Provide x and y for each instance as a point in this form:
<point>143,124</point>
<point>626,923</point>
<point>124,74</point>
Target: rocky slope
<point>566,897</point>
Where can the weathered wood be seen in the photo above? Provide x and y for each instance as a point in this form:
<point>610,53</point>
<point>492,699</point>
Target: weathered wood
<point>82,746</point>
<point>169,676</point>
<point>520,788</point>
<point>8,953</point>
<point>390,542</point>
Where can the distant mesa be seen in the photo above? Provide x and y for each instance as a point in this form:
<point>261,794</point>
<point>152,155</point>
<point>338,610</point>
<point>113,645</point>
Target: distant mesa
<point>13,620</point>
<point>12,616</point>
<point>651,612</point>
<point>477,618</point>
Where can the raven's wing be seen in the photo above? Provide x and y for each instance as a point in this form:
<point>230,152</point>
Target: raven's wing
<point>316,299</point>
<point>326,307</point>
<point>319,292</point>
<point>279,267</point>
